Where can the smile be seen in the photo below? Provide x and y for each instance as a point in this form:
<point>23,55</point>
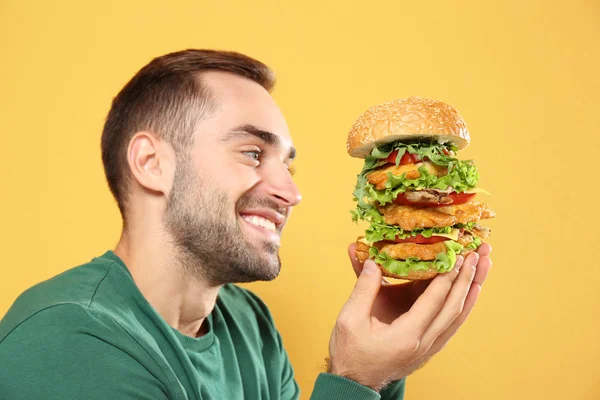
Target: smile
<point>261,222</point>
<point>264,222</point>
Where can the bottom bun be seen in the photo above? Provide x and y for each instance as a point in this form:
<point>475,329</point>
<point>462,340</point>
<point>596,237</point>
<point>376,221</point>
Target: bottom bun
<point>362,255</point>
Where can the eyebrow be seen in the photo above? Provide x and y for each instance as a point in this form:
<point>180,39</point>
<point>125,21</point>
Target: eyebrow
<point>250,130</point>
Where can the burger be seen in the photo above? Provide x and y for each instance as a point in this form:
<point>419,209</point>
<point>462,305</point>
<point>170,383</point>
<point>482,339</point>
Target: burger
<point>420,200</point>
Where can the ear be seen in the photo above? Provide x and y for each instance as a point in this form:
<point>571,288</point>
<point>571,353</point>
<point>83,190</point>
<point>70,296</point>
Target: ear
<point>151,162</point>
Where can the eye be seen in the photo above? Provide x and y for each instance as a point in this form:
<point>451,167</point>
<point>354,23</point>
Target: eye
<point>253,154</point>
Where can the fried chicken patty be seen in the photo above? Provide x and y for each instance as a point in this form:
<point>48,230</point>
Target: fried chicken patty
<point>379,177</point>
<point>362,250</point>
<point>465,239</point>
<point>411,217</point>
<point>471,211</point>
<point>481,231</point>
<point>402,251</point>
<point>362,254</point>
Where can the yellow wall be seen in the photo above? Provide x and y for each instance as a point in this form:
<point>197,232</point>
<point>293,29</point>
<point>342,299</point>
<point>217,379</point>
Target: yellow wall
<point>524,74</point>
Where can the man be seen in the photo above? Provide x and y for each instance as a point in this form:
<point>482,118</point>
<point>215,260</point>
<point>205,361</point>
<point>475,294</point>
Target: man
<point>198,156</point>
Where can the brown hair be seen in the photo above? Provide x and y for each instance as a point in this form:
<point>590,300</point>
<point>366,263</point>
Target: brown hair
<point>167,98</point>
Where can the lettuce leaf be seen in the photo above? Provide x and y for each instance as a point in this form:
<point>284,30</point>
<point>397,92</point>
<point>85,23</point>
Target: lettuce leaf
<point>377,232</point>
<point>462,175</point>
<point>444,262</point>
<point>475,243</point>
<point>434,151</point>
<point>468,226</point>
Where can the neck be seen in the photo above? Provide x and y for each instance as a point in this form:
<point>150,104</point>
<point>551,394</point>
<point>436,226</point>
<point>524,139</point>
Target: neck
<point>159,271</point>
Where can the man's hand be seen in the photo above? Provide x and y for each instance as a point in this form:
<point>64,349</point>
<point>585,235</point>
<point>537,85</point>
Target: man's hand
<point>384,333</point>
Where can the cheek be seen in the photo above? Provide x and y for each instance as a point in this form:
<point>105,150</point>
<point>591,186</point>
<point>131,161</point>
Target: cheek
<point>236,180</point>
<point>226,174</point>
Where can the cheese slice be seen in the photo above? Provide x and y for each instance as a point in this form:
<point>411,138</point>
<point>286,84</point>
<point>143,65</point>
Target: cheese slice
<point>478,190</point>
<point>453,235</point>
<point>365,241</point>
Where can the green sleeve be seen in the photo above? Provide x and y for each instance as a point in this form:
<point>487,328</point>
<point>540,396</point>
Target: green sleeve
<point>67,352</point>
<point>335,387</point>
<point>394,391</point>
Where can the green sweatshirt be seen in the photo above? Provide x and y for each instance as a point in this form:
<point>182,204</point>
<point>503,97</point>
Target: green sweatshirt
<point>90,334</point>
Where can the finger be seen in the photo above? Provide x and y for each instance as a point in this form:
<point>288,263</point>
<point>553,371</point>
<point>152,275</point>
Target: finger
<point>455,303</point>
<point>441,340</point>
<point>483,267</point>
<point>431,301</point>
<point>356,265</point>
<point>484,250</point>
<point>365,291</point>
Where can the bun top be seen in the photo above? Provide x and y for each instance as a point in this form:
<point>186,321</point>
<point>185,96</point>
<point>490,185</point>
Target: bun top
<point>409,119</point>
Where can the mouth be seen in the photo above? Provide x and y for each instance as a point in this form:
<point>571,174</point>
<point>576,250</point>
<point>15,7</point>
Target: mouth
<point>260,222</point>
<point>265,222</point>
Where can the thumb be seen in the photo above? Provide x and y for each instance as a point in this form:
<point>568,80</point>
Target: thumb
<point>365,291</point>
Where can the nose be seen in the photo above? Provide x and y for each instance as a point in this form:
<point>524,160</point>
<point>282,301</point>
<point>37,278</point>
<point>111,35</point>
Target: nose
<point>280,186</point>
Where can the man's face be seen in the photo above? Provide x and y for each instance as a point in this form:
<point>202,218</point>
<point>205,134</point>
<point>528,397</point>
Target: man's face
<point>232,196</point>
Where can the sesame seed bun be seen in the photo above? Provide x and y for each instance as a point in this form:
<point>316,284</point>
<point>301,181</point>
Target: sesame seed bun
<point>412,118</point>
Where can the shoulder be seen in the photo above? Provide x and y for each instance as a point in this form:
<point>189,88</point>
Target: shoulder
<point>75,288</point>
<point>72,331</point>
<point>55,323</point>
<point>59,330</point>
<point>85,345</point>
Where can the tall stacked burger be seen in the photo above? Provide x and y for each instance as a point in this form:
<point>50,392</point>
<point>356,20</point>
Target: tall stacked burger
<point>420,200</point>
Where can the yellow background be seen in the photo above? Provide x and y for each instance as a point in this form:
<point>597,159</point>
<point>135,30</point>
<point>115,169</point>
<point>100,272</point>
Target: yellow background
<point>524,74</point>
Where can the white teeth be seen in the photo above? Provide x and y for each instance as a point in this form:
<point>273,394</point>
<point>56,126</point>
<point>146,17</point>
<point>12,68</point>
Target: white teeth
<point>260,221</point>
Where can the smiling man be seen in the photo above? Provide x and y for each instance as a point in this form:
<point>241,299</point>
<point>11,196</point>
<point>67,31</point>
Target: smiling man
<point>198,156</point>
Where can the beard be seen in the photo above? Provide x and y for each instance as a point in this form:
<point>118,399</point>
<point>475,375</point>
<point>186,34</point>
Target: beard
<point>209,241</point>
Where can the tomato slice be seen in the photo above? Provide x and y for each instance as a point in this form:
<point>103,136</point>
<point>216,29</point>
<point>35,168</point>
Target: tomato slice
<point>407,158</point>
<point>420,239</point>
<point>457,198</point>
